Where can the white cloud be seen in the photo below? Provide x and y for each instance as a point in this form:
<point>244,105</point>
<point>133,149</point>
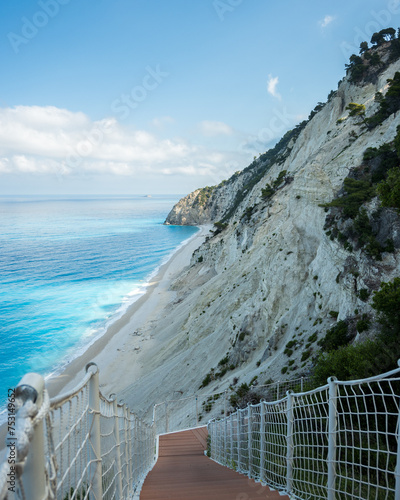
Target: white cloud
<point>271,86</point>
<point>213,128</point>
<point>326,20</point>
<point>50,141</point>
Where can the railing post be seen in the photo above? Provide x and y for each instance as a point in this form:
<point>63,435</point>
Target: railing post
<point>128,451</point>
<point>332,438</point>
<point>302,384</point>
<point>117,451</point>
<point>225,432</point>
<point>262,442</point>
<point>238,441</point>
<point>249,439</point>
<point>94,435</point>
<point>289,441</point>
<point>397,470</point>
<point>140,448</point>
<point>135,448</point>
<point>197,412</point>
<point>277,390</point>
<point>34,480</point>
<point>231,437</point>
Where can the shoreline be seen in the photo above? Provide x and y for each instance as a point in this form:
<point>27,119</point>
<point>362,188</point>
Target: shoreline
<point>139,314</point>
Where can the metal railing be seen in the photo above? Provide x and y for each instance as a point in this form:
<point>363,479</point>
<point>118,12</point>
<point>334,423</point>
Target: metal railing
<point>188,412</point>
<point>76,446</point>
<point>337,441</point>
<point>194,411</point>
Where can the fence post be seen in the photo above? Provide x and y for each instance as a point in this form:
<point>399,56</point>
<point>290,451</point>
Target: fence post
<point>128,451</point>
<point>31,387</point>
<point>166,416</point>
<point>231,439</point>
<point>225,431</point>
<point>289,441</point>
<point>332,437</point>
<point>117,450</point>
<point>302,384</point>
<point>197,412</point>
<point>262,442</point>
<point>94,436</point>
<point>277,390</point>
<point>239,435</point>
<point>249,439</point>
<point>397,470</point>
<point>140,448</point>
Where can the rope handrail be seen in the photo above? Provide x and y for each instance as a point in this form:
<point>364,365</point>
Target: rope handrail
<point>77,445</point>
<point>339,440</point>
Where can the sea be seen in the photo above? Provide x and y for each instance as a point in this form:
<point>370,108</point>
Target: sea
<point>69,267</point>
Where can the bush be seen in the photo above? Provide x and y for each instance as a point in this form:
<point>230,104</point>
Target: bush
<point>335,337</point>
<point>389,104</point>
<point>267,192</point>
<point>207,379</point>
<point>348,362</point>
<point>356,109</point>
<point>356,193</point>
<point>389,189</point>
<point>306,354</point>
<point>387,303</point>
<point>363,294</point>
<point>363,323</point>
<point>312,338</point>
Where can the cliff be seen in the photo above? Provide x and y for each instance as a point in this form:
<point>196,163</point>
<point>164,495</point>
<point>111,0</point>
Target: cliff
<point>284,265</point>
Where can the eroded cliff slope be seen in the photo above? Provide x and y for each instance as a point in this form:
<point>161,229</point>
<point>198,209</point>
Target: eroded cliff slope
<point>280,269</point>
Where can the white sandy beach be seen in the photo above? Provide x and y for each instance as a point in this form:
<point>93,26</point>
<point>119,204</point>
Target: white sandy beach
<point>130,338</point>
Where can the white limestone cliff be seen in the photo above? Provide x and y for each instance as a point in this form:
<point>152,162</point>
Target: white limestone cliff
<point>273,275</point>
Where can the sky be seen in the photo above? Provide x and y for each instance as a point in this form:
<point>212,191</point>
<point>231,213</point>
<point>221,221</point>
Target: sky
<point>163,96</point>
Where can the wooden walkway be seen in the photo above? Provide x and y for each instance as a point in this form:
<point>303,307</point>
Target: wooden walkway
<point>183,472</point>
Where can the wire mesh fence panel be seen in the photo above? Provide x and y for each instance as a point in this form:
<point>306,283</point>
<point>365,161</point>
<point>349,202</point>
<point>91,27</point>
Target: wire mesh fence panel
<point>243,445</point>
<point>310,444</point>
<point>367,439</point>
<point>338,441</point>
<point>188,412</point>
<point>277,390</point>
<point>273,434</point>
<point>255,442</point>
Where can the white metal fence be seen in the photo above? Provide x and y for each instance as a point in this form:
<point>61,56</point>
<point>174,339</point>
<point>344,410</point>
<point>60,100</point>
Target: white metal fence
<point>197,410</point>
<point>340,441</point>
<point>189,412</point>
<point>76,446</point>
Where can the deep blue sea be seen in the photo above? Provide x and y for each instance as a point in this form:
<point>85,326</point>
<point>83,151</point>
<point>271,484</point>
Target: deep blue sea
<point>69,266</point>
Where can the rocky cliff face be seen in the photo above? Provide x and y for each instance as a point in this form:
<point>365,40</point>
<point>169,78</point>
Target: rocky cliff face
<point>270,281</point>
<point>273,275</point>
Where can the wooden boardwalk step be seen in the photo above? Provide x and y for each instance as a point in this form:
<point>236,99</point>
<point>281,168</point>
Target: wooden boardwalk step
<point>183,472</point>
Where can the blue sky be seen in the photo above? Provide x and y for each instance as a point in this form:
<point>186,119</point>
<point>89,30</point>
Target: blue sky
<point>151,96</point>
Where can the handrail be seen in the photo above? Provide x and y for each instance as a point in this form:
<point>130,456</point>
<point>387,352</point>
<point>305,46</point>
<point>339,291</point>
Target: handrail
<point>77,445</point>
<point>340,440</point>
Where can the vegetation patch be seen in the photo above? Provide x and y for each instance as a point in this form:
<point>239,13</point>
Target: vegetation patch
<point>356,361</point>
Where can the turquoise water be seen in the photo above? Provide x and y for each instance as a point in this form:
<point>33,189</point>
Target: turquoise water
<point>68,268</point>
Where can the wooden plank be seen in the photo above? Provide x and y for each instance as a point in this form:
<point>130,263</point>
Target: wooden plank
<point>182,472</point>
